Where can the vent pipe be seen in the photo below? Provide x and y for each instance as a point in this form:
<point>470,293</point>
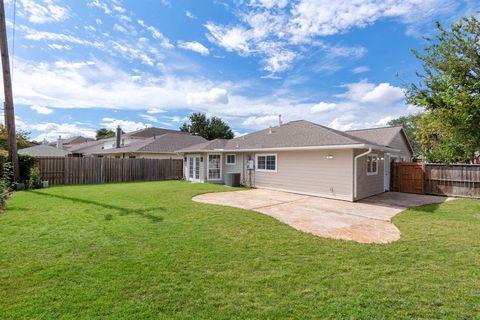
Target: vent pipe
<point>279,120</point>
<point>118,137</point>
<point>59,142</point>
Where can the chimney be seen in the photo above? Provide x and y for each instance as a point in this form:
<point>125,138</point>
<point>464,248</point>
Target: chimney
<point>118,137</point>
<point>279,120</point>
<point>45,141</point>
<point>59,142</point>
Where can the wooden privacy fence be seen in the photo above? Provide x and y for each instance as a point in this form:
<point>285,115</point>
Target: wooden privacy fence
<point>436,179</point>
<point>72,170</point>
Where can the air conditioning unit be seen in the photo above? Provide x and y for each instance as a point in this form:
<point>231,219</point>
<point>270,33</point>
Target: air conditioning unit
<point>250,165</point>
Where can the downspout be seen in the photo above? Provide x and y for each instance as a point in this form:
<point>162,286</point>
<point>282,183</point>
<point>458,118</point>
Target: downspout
<point>355,171</point>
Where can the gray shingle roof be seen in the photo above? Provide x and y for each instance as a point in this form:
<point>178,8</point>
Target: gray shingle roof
<point>293,134</point>
<point>43,150</point>
<point>382,136</point>
<point>166,143</point>
<point>151,132</point>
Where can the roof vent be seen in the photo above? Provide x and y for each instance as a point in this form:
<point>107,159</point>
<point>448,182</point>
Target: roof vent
<point>279,120</point>
<point>270,130</point>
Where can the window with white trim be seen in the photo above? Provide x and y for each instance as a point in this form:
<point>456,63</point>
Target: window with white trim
<point>372,164</point>
<point>266,162</point>
<point>230,159</point>
<point>214,167</point>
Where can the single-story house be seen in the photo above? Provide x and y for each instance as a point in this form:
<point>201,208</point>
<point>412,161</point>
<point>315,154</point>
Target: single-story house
<point>43,150</point>
<point>303,157</point>
<point>155,143</point>
<point>61,143</point>
<point>156,147</point>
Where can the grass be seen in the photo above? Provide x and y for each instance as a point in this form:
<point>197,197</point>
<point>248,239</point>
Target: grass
<point>145,250</point>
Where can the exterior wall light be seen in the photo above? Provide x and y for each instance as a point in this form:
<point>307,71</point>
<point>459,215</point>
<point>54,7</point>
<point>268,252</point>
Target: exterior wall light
<point>329,157</point>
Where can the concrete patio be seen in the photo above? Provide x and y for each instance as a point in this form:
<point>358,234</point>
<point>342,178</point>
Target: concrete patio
<point>365,221</point>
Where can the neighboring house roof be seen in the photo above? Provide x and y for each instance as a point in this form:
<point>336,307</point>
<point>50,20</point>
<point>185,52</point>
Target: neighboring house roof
<point>151,132</point>
<point>86,147</point>
<point>72,140</point>
<point>43,150</point>
<point>382,136</point>
<point>294,134</point>
<point>166,143</point>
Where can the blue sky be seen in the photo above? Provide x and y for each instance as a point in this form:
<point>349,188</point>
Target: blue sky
<point>82,65</point>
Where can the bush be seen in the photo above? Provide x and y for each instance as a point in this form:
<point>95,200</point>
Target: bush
<point>25,163</point>
<point>7,176</point>
<point>34,181</point>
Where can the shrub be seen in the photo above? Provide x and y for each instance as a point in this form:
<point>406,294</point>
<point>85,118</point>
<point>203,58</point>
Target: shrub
<point>34,180</point>
<point>26,163</point>
<point>7,176</point>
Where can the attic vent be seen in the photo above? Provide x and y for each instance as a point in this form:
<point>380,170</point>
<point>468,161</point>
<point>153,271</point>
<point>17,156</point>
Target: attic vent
<point>270,130</point>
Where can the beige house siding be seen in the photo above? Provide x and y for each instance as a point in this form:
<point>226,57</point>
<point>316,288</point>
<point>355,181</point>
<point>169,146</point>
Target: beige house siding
<point>369,185</point>
<point>400,143</point>
<point>310,172</point>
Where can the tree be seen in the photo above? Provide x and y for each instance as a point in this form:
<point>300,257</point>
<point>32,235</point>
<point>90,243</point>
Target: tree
<point>104,133</point>
<point>22,139</point>
<point>213,128</point>
<point>449,92</point>
<point>410,125</point>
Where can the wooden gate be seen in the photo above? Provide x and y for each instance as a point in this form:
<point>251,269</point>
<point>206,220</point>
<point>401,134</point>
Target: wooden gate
<point>408,177</point>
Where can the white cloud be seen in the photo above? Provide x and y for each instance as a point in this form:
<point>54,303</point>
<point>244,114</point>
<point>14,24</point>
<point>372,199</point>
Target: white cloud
<point>41,109</point>
<point>51,130</point>
<point>360,69</point>
<point>126,125</point>
<point>272,28</point>
<point>194,46</point>
<point>148,117</point>
<point>323,107</point>
<point>231,38</point>
<point>155,110</point>
<point>212,96</point>
<point>156,34</point>
<point>261,121</point>
<point>190,15</point>
<point>366,92</point>
<point>100,5</point>
<point>95,84</point>
<point>57,46</point>
<point>44,11</point>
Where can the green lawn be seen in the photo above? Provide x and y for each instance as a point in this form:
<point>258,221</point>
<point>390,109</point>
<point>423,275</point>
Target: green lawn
<point>145,250</point>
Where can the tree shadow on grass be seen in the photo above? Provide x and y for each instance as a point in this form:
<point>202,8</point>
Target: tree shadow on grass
<point>122,211</point>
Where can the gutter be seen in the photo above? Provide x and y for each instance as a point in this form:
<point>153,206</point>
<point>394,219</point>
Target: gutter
<point>355,171</point>
<point>332,147</point>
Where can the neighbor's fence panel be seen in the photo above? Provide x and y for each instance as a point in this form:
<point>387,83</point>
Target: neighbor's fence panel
<point>455,180</point>
<point>72,170</point>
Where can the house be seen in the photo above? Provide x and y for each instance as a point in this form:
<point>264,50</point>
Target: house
<point>151,142</point>
<point>303,157</point>
<point>61,143</point>
<point>43,150</point>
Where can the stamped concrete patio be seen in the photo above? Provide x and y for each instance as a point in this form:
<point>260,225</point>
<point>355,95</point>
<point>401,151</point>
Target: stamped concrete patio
<point>365,221</point>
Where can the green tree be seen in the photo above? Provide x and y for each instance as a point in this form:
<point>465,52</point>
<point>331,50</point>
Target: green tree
<point>213,128</point>
<point>104,133</point>
<point>23,140</point>
<point>449,92</point>
<point>410,125</point>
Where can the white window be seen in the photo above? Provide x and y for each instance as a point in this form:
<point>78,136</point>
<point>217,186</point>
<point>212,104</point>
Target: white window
<point>214,167</point>
<point>230,159</point>
<point>266,162</point>
<point>372,164</point>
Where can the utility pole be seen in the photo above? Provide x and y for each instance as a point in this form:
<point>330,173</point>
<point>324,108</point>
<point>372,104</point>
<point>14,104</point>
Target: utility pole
<point>7,88</point>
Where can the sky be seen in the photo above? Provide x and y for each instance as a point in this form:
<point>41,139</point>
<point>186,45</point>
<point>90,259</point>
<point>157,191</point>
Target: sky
<point>78,66</point>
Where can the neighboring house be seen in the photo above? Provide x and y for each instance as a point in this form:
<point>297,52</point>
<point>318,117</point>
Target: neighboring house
<point>61,143</point>
<point>157,147</point>
<point>303,157</point>
<point>43,150</point>
<point>155,143</point>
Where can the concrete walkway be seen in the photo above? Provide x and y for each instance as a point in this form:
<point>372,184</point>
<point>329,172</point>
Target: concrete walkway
<point>365,221</point>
